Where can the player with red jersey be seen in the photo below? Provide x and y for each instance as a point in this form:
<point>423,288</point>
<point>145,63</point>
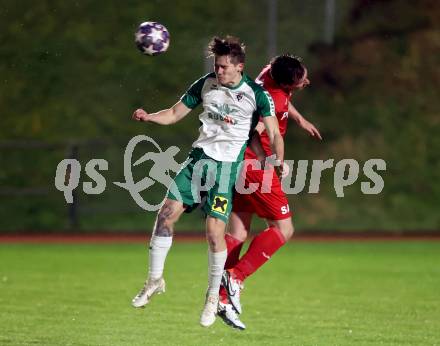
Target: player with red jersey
<point>285,75</point>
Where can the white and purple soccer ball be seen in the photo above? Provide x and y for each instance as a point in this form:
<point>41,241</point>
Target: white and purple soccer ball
<point>152,38</point>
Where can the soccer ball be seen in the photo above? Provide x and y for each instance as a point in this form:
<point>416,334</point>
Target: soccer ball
<point>152,38</point>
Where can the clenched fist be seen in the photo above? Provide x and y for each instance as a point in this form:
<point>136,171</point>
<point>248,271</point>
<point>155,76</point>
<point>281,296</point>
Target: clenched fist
<point>140,115</point>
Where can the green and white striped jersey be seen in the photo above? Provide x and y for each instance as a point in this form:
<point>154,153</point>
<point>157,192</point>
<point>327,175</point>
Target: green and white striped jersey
<point>229,114</point>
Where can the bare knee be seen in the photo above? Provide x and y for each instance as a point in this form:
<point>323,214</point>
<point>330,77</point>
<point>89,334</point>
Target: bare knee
<point>288,232</point>
<point>238,233</point>
<point>239,225</point>
<point>214,241</point>
<point>166,217</point>
<point>284,226</point>
<point>215,234</point>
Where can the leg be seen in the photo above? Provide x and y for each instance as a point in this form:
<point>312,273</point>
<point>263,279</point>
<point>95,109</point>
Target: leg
<point>161,238</point>
<point>260,250</point>
<point>239,225</point>
<point>238,229</point>
<point>274,207</point>
<point>217,253</point>
<point>217,208</point>
<point>285,226</point>
<point>215,234</point>
<point>167,216</point>
<point>160,244</point>
<point>263,246</point>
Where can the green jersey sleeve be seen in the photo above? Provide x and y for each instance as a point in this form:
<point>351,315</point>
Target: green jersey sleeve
<point>193,96</point>
<point>265,105</point>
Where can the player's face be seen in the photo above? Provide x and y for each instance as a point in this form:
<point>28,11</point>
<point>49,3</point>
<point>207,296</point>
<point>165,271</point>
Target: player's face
<point>228,73</point>
<point>299,85</point>
<point>303,82</point>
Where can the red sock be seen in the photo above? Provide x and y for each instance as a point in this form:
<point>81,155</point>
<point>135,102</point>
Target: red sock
<point>234,247</point>
<point>262,247</point>
<point>223,295</point>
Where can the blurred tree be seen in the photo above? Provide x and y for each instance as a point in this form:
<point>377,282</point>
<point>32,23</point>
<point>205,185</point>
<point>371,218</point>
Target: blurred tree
<point>70,72</point>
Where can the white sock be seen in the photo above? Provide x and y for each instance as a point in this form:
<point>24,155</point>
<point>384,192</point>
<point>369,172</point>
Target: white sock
<point>216,264</point>
<point>159,247</point>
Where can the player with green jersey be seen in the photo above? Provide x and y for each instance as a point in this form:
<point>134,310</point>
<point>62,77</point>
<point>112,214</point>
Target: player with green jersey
<point>232,104</point>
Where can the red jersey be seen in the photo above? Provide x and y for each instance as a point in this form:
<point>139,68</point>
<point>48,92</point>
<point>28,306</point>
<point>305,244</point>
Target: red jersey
<point>273,205</point>
<point>281,100</point>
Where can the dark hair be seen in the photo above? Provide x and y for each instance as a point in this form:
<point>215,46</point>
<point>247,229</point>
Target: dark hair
<point>287,69</point>
<point>230,46</point>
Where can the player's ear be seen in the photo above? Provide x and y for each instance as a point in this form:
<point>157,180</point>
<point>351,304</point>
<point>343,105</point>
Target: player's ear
<point>240,67</point>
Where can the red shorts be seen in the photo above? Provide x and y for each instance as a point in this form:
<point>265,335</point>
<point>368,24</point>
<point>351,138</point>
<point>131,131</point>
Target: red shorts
<point>272,205</point>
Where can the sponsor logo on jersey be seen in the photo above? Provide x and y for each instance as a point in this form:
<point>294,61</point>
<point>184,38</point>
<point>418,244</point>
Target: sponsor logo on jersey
<point>226,118</point>
<point>223,113</point>
<point>239,96</point>
<point>220,205</point>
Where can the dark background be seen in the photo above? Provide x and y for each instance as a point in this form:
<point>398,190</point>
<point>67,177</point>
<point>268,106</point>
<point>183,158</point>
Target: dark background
<point>70,77</point>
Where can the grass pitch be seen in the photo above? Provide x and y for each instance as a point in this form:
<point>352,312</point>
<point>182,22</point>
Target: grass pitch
<point>342,293</point>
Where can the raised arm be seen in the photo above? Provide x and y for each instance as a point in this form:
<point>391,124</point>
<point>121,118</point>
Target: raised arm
<point>302,122</point>
<point>163,117</point>
<point>275,138</point>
